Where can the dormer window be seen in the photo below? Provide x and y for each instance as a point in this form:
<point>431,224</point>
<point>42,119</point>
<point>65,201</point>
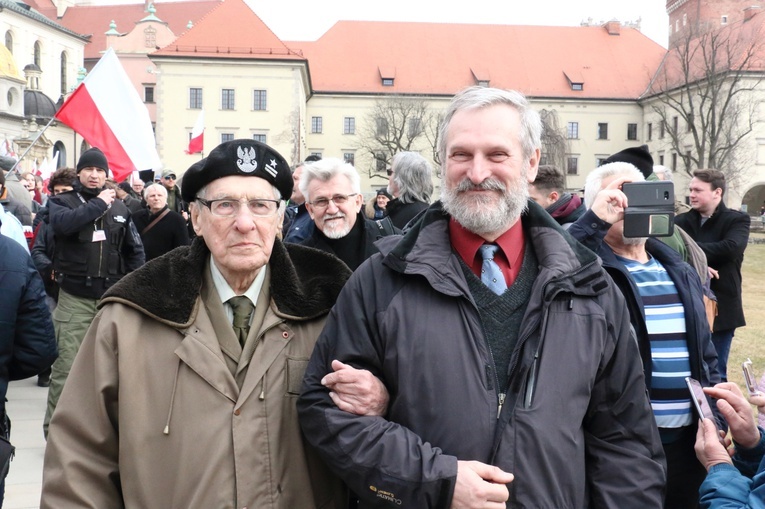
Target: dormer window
<point>387,75</point>
<point>481,76</point>
<point>575,79</point>
<point>577,86</point>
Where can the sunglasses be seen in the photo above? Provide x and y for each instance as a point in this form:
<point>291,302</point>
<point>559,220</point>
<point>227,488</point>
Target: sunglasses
<point>169,177</point>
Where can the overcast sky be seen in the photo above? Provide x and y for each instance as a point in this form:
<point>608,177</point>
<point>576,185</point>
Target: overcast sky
<point>295,20</point>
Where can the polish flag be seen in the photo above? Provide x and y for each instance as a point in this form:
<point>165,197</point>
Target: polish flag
<point>107,111</point>
<point>197,141</point>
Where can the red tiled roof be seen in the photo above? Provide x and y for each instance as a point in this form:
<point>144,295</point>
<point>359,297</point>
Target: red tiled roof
<point>435,59</point>
<point>738,48</point>
<point>231,30</point>
<point>95,19</point>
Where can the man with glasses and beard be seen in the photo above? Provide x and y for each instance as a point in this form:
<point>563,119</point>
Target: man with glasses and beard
<point>505,347</point>
<point>333,197</point>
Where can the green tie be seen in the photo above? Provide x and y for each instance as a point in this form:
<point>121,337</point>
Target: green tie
<point>243,309</point>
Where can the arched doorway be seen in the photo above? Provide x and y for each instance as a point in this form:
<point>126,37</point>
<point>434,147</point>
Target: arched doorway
<point>61,149</point>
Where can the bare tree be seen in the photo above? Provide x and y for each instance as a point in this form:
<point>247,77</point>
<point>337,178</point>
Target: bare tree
<point>703,94</point>
<point>291,135</point>
<point>394,124</point>
<point>554,141</point>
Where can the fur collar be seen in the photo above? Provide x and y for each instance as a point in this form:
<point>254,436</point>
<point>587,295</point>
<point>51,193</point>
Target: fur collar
<point>305,283</point>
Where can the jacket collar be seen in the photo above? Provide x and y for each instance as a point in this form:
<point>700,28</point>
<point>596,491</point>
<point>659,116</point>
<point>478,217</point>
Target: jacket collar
<point>304,283</point>
<point>425,249</point>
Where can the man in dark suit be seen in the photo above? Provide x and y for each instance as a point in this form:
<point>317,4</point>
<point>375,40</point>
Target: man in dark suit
<point>722,234</point>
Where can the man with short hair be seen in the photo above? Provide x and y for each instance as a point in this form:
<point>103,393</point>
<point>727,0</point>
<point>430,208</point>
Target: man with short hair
<point>138,186</point>
<point>16,189</point>
<point>664,297</point>
<point>183,393</point>
<point>549,191</point>
<point>411,184</point>
<point>96,244</point>
<point>332,191</point>
<point>506,348</point>
<point>722,234</point>
<point>175,201</point>
<point>299,226</point>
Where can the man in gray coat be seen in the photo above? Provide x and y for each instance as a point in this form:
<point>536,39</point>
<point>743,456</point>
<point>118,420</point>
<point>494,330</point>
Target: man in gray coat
<point>504,345</point>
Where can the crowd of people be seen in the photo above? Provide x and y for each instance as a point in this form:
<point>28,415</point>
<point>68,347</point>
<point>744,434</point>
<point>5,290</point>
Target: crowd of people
<point>262,336</point>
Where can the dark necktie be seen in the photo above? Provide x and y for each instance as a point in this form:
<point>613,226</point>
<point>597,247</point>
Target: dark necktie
<point>491,274</point>
<point>243,309</point>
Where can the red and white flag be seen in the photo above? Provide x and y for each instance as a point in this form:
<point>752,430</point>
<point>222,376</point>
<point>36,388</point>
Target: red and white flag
<point>197,141</point>
<point>107,111</point>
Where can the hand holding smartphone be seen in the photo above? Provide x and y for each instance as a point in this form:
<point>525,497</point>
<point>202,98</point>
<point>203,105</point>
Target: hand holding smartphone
<point>701,403</point>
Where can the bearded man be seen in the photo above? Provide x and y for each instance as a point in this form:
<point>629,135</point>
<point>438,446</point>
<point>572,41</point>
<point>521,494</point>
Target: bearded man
<point>504,345</point>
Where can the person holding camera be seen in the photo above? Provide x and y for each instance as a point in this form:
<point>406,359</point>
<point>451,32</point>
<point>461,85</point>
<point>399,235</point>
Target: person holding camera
<point>664,297</point>
<point>737,481</point>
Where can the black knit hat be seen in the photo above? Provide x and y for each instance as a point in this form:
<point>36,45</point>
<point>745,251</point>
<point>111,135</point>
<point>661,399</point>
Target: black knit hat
<point>384,192</point>
<point>93,158</point>
<point>238,158</point>
<point>6,163</point>
<point>636,156</point>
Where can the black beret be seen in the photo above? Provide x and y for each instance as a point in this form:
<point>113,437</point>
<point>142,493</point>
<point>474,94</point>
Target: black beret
<point>244,157</point>
<point>6,163</point>
<point>636,156</point>
<point>93,158</point>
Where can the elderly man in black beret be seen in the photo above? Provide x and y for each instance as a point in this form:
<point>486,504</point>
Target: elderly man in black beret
<point>184,391</point>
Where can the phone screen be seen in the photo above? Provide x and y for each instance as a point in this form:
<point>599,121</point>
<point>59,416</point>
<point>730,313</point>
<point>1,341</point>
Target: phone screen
<point>700,400</point>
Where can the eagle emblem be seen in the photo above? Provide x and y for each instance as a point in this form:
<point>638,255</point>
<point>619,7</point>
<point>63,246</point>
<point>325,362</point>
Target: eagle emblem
<point>247,159</point>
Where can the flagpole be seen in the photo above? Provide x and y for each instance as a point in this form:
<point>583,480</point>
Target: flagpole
<point>13,168</point>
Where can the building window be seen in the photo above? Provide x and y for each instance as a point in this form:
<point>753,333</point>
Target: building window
<point>602,131</point>
<point>572,131</point>
<point>148,94</point>
<point>224,137</point>
<point>724,20</point>
<point>316,125</point>
<point>150,37</point>
<point>415,127</point>
<point>632,132</point>
<point>685,19</point>
<point>195,98</point>
<point>577,86</point>
<point>259,137</point>
<point>387,82</point>
<point>259,100</point>
<point>674,124</point>
<point>380,162</point>
<point>9,41</point>
<point>674,162</point>
<point>63,72</point>
<point>572,166</point>
<point>600,161</point>
<point>37,54</point>
<point>382,126</point>
<point>316,154</point>
<point>227,99</point>
<point>661,159</point>
<point>661,130</point>
<point>677,25</point>
<point>349,157</point>
<point>650,132</point>
<point>349,125</point>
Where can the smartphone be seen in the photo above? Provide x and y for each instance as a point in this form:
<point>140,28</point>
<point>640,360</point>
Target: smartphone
<point>650,209</point>
<point>750,378</point>
<point>699,399</point>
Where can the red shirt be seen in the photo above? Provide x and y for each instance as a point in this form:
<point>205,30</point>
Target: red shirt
<point>509,256</point>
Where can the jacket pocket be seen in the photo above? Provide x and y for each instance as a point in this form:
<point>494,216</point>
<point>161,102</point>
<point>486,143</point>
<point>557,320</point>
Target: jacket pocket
<point>295,372</point>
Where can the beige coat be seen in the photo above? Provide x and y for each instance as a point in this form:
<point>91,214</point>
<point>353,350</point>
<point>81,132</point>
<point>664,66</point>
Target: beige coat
<point>163,410</point>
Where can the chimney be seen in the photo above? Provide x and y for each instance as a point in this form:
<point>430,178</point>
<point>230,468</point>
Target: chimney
<point>751,12</point>
<point>613,27</point>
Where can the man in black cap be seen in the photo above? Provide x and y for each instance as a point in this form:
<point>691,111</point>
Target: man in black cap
<point>96,244</point>
<point>183,393</point>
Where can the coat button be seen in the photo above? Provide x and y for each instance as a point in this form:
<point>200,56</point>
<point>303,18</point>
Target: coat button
<point>285,334</point>
<point>237,411</point>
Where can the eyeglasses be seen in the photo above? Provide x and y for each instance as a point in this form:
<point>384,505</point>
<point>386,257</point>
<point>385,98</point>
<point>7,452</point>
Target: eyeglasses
<point>258,207</point>
<point>338,199</point>
<point>169,177</point>
<point>389,172</point>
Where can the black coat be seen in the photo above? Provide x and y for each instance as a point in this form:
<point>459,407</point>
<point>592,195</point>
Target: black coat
<point>723,238</point>
<point>401,213</point>
<point>27,340</point>
<point>169,233</point>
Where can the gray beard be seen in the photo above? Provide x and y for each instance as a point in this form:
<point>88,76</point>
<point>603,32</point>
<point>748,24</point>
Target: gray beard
<point>489,213</point>
<point>337,233</point>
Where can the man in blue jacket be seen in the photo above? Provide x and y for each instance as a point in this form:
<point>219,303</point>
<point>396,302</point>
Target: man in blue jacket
<point>27,341</point>
<point>664,298</point>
